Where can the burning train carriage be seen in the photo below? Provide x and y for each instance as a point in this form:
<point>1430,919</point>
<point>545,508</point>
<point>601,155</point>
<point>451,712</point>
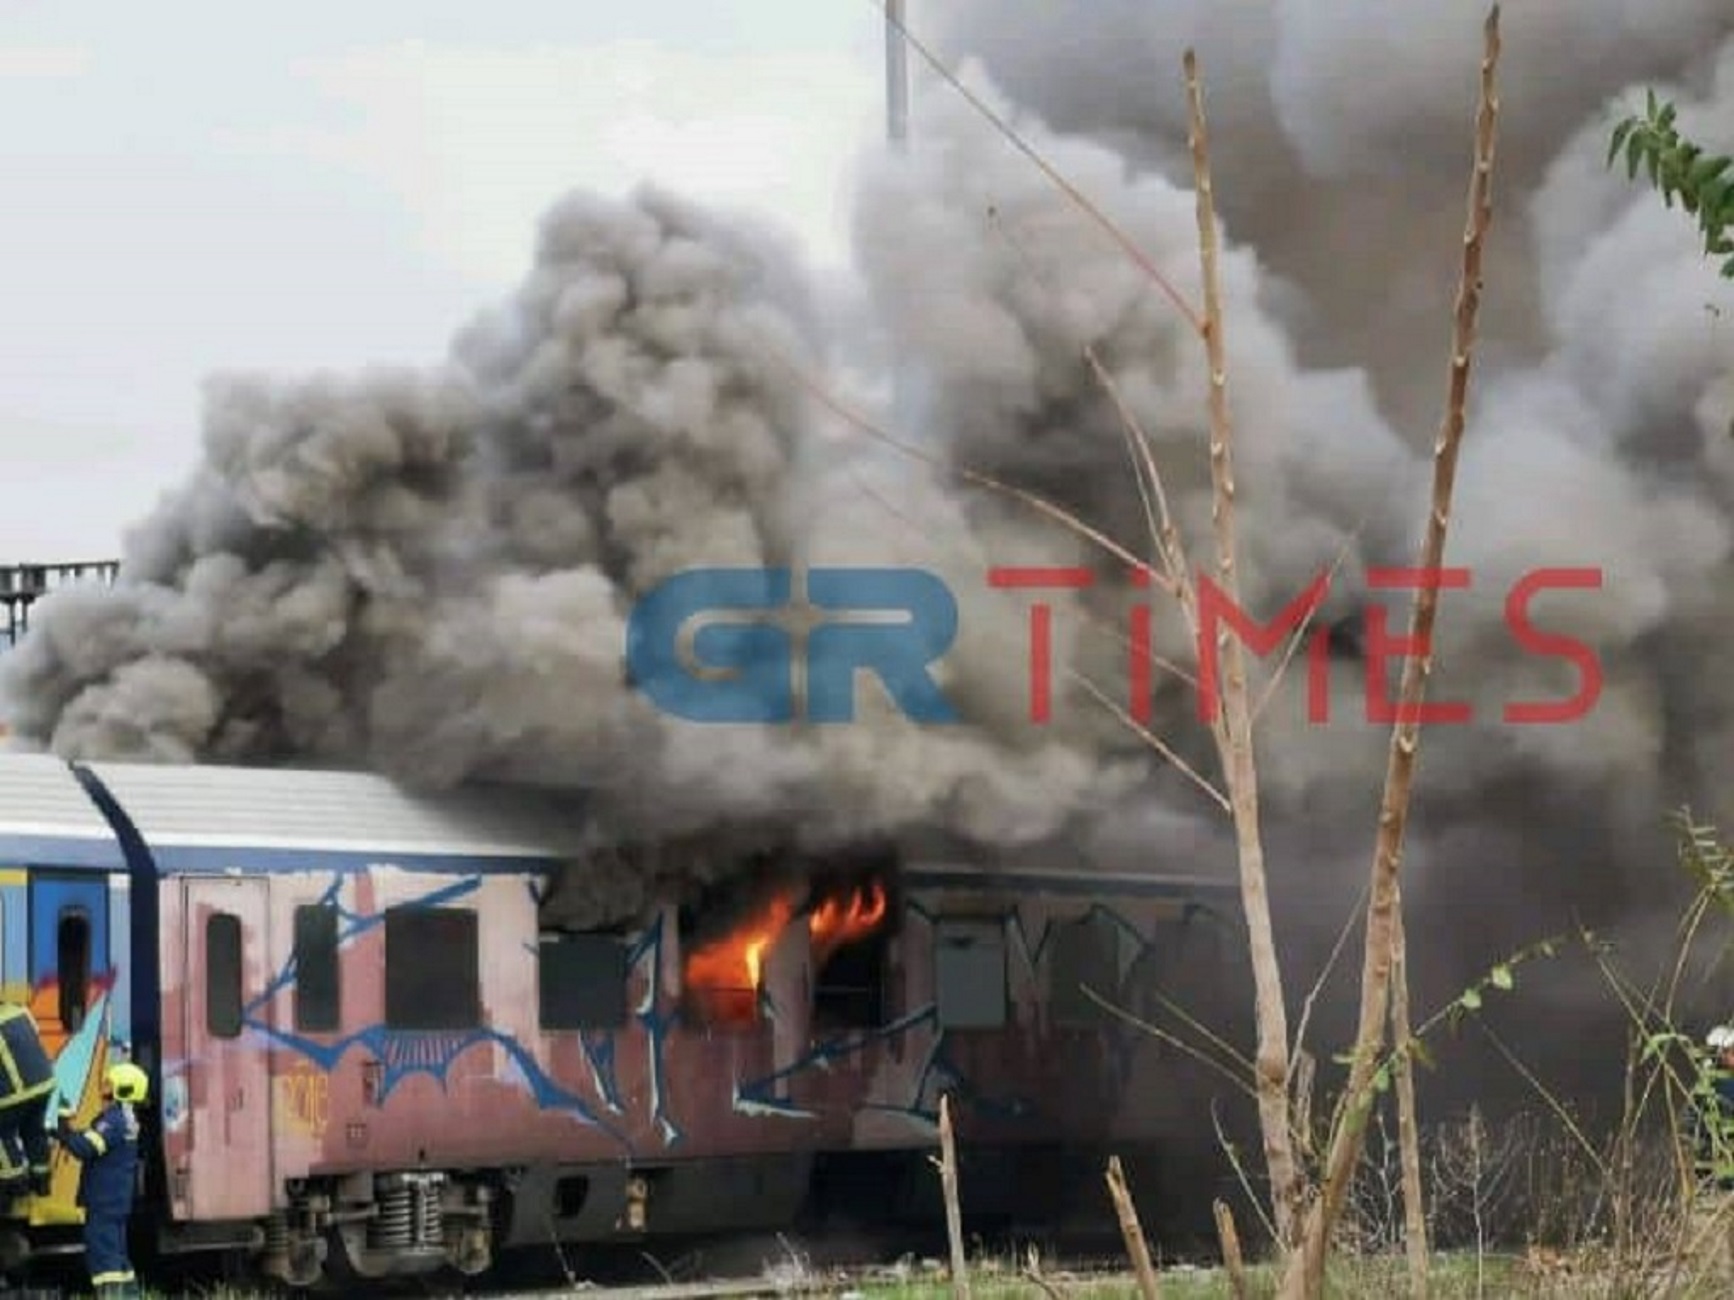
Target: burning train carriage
<point>1027,996</point>
<point>375,1049</point>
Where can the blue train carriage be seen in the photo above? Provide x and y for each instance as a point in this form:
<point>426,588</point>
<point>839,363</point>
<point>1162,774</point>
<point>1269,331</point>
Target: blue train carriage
<point>339,985</point>
<point>66,902</point>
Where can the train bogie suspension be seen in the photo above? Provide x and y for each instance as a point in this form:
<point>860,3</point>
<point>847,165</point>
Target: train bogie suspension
<point>382,1225</point>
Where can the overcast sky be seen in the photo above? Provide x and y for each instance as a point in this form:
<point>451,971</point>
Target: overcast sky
<point>193,186</point>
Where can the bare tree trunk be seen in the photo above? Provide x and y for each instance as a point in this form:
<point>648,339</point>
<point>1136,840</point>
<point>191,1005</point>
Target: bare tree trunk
<point>953,1212</point>
<point>1234,736</point>
<point>1232,728</point>
<point>1231,1258</point>
<point>1305,1274</point>
<point>1408,1129</point>
<point>1133,1232</point>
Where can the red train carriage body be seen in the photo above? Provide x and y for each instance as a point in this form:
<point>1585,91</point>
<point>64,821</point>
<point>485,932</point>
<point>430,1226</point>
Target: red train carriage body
<point>372,1053</point>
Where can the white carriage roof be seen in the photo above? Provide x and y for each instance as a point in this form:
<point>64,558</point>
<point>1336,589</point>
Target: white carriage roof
<point>39,796</point>
<point>199,806</point>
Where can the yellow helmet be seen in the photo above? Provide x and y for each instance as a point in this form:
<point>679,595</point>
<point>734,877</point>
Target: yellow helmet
<point>127,1082</point>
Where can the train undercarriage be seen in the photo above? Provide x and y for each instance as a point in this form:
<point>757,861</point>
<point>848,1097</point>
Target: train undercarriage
<point>341,1231</point>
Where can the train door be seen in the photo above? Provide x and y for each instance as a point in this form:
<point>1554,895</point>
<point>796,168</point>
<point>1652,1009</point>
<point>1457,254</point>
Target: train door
<point>69,950</point>
<point>228,1171</point>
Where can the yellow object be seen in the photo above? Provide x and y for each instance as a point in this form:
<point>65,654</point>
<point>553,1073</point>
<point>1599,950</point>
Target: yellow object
<point>128,1082</point>
<point>60,1207</point>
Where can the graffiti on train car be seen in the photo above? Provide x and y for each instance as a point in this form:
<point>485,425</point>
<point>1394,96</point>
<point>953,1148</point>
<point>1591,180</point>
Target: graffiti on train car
<point>57,959</point>
<point>938,1073</point>
<point>592,1095</point>
<point>80,1061</point>
<point>303,1100</point>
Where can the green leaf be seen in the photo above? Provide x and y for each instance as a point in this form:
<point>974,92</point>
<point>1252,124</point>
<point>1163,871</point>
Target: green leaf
<point>1470,1001</point>
<point>1706,170</point>
<point>1619,138</point>
<point>1501,977</point>
<point>1422,1054</point>
<point>1702,186</point>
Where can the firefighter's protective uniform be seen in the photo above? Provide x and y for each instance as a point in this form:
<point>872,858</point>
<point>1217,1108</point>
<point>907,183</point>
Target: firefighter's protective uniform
<point>108,1151</point>
<point>1715,1117</point>
<point>26,1088</point>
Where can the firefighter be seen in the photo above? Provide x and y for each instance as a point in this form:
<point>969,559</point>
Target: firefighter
<point>108,1152</point>
<point>1716,1117</point>
<point>26,1090</point>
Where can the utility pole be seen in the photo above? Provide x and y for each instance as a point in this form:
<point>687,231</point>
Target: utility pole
<point>907,382</point>
<point>896,76</point>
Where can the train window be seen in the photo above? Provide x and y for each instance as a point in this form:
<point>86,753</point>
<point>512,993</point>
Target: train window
<point>581,981</point>
<point>223,975</point>
<point>431,976</point>
<point>1084,954</point>
<point>72,965</point>
<point>849,989</point>
<point>318,1007</point>
<point>721,973</point>
<point>969,973</point>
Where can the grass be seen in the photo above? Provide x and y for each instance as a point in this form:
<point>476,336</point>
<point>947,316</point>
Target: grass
<point>1453,1277</point>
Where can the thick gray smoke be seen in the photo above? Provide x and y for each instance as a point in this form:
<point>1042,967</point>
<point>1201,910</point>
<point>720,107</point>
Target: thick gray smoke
<point>1602,429</point>
<point>431,573</point>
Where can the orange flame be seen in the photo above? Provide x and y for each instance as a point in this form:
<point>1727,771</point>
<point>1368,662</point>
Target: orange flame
<point>728,973</point>
<point>725,975</point>
<point>837,921</point>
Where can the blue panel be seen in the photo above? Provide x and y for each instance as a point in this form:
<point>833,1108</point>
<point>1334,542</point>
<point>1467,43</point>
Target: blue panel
<point>203,860</point>
<point>52,895</point>
<point>61,851</point>
<point>120,940</point>
<point>15,935</point>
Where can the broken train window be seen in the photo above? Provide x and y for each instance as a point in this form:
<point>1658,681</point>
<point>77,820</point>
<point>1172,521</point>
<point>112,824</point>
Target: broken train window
<point>723,970</point>
<point>849,937</point>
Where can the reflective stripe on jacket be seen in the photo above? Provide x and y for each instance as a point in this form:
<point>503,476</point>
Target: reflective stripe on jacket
<point>108,1150</point>
<point>25,1070</point>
